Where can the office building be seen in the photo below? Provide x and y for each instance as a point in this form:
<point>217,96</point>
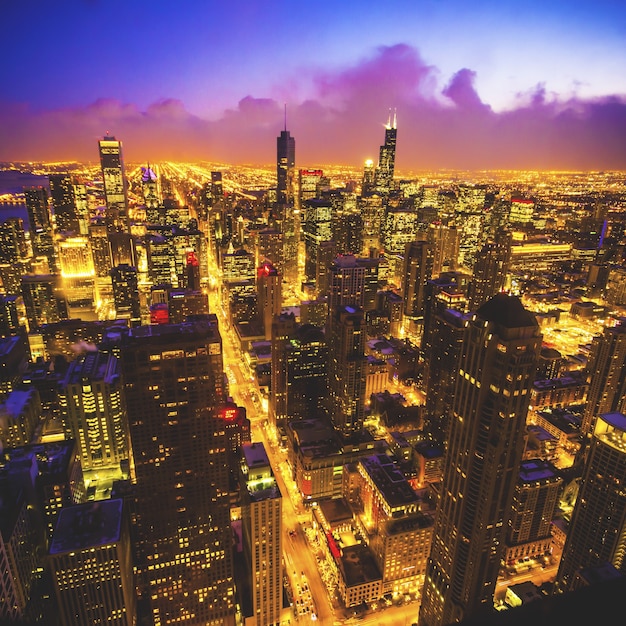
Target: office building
<point>126,293</point>
<point>316,229</point>
<point>91,561</point>
<point>485,446</point>
<point>491,268</point>
<point>174,383</point>
<point>40,224</point>
<point>92,409</point>
<point>347,368</point>
<point>262,536</point>
<point>285,167</point>
<point>269,294</point>
<point>383,177</point>
<point>44,299</point>
<point>63,204</point>
<point>606,376</point>
<point>417,271</point>
<point>353,281</point>
<point>598,525</point>
<point>150,187</point>
<point>115,184</point>
<point>445,240</point>
<point>20,414</point>
<point>13,246</point>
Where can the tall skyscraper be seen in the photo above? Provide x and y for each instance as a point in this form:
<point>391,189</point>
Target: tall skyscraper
<point>346,371</point>
<point>91,562</point>
<point>92,410</point>
<point>63,203</point>
<point>417,271</point>
<point>490,270</point>
<point>316,228</point>
<point>285,166</point>
<point>598,526</point>
<point>606,375</point>
<point>174,384</point>
<point>150,187</point>
<point>262,535</point>
<point>486,441</point>
<point>387,158</point>
<point>269,293</point>
<point>44,299</point>
<point>13,245</point>
<point>126,293</point>
<point>115,184</point>
<point>40,224</point>
<point>353,280</point>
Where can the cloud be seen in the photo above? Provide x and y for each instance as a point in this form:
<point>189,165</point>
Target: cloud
<point>341,122</point>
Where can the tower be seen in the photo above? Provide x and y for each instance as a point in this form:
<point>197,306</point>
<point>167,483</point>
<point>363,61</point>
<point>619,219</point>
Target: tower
<point>43,299</point>
<point>606,375</point>
<point>285,165</point>
<point>262,534</point>
<point>485,445</point>
<point>150,187</point>
<point>490,270</point>
<point>126,293</point>
<point>91,563</point>
<point>269,290</point>
<point>174,384</point>
<point>346,371</point>
<point>115,185</point>
<point>598,527</point>
<point>63,203</point>
<point>386,161</point>
<point>417,271</point>
<point>91,401</point>
<point>40,224</point>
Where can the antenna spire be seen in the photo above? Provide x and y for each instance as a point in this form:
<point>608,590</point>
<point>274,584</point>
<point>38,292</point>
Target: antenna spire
<point>285,116</point>
<point>395,119</point>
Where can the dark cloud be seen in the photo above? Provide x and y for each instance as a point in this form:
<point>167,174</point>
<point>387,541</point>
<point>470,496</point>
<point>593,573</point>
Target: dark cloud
<point>342,123</point>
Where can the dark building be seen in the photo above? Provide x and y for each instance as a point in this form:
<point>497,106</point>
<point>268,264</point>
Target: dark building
<point>485,445</point>
<point>126,293</point>
<point>44,299</point>
<point>63,203</point>
<point>174,383</point>
<point>383,176</point>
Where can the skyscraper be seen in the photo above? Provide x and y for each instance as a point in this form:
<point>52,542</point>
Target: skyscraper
<point>598,527</point>
<point>115,185</point>
<point>387,158</point>
<point>606,375</point>
<point>126,293</point>
<point>417,271</point>
<point>269,293</point>
<point>262,535</point>
<point>63,203</point>
<point>40,224</point>
<point>174,384</point>
<point>44,299</point>
<point>91,562</point>
<point>486,440</point>
<point>285,166</point>
<point>490,270</point>
<point>346,371</point>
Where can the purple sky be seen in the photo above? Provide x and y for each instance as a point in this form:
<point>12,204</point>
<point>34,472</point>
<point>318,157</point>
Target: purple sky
<point>512,85</point>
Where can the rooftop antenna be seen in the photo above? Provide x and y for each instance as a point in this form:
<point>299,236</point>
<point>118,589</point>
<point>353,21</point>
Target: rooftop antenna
<point>395,118</point>
<point>285,116</point>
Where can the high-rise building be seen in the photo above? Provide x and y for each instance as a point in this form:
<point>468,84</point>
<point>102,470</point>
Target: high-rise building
<point>445,240</point>
<point>494,375</point>
<point>77,270</point>
<point>262,535</point>
<point>13,245</point>
<point>283,328</point>
<point>40,224</point>
<point>316,228</point>
<point>115,184</point>
<point>386,161</point>
<point>285,167</point>
<point>150,187</point>
<point>353,281</point>
<point>269,294</point>
<point>174,383</point>
<point>91,561</point>
<point>347,368</point>
<point>63,203</point>
<point>92,409</point>
<point>598,526</point>
<point>308,184</point>
<point>490,270</point>
<point>126,293</point>
<point>417,271</point>
<point>44,299</point>
<point>606,375</point>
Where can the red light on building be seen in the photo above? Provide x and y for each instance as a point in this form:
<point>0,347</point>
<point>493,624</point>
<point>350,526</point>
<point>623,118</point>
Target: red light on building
<point>229,413</point>
<point>159,314</point>
<point>192,259</point>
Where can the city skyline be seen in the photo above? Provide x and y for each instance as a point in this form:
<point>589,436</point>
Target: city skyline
<point>519,86</point>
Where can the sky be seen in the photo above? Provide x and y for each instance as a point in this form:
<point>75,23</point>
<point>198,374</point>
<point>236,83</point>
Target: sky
<point>534,84</point>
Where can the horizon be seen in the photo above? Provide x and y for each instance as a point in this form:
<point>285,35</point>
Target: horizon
<point>517,86</point>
